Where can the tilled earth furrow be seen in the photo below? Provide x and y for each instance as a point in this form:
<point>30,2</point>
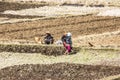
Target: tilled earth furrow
<point>59,71</point>
<point>81,27</point>
<point>54,22</point>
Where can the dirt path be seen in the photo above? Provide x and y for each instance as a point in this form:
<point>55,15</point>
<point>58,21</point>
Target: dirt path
<point>89,57</point>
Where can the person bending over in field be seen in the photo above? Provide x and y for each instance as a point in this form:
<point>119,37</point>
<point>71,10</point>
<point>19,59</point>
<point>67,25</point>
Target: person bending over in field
<point>67,42</point>
<point>48,39</point>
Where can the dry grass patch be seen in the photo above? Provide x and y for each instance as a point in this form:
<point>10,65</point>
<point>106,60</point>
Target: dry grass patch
<point>90,57</point>
<point>43,49</point>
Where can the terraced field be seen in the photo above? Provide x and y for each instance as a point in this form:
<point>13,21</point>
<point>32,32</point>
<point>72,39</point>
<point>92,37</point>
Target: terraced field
<point>77,25</point>
<point>85,29</point>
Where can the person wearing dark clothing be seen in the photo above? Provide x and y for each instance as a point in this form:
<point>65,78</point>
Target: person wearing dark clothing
<point>48,39</point>
<point>67,42</point>
<point>63,39</point>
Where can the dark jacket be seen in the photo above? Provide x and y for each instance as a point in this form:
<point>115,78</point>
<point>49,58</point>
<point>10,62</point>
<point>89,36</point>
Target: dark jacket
<point>48,39</point>
<point>63,38</point>
<point>68,40</point>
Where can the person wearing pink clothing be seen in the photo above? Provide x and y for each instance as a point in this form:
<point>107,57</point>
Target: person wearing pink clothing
<point>67,42</point>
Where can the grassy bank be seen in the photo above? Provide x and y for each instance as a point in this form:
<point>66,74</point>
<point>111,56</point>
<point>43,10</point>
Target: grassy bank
<point>43,49</point>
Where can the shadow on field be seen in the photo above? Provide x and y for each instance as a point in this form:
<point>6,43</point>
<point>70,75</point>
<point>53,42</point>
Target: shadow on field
<point>59,71</point>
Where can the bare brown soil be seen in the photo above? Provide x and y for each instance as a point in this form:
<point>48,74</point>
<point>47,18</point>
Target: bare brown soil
<point>18,6</point>
<point>18,16</point>
<point>78,25</point>
<point>60,71</point>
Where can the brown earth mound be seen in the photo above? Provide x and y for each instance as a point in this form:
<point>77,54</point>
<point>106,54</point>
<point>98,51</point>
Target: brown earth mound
<point>60,71</point>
